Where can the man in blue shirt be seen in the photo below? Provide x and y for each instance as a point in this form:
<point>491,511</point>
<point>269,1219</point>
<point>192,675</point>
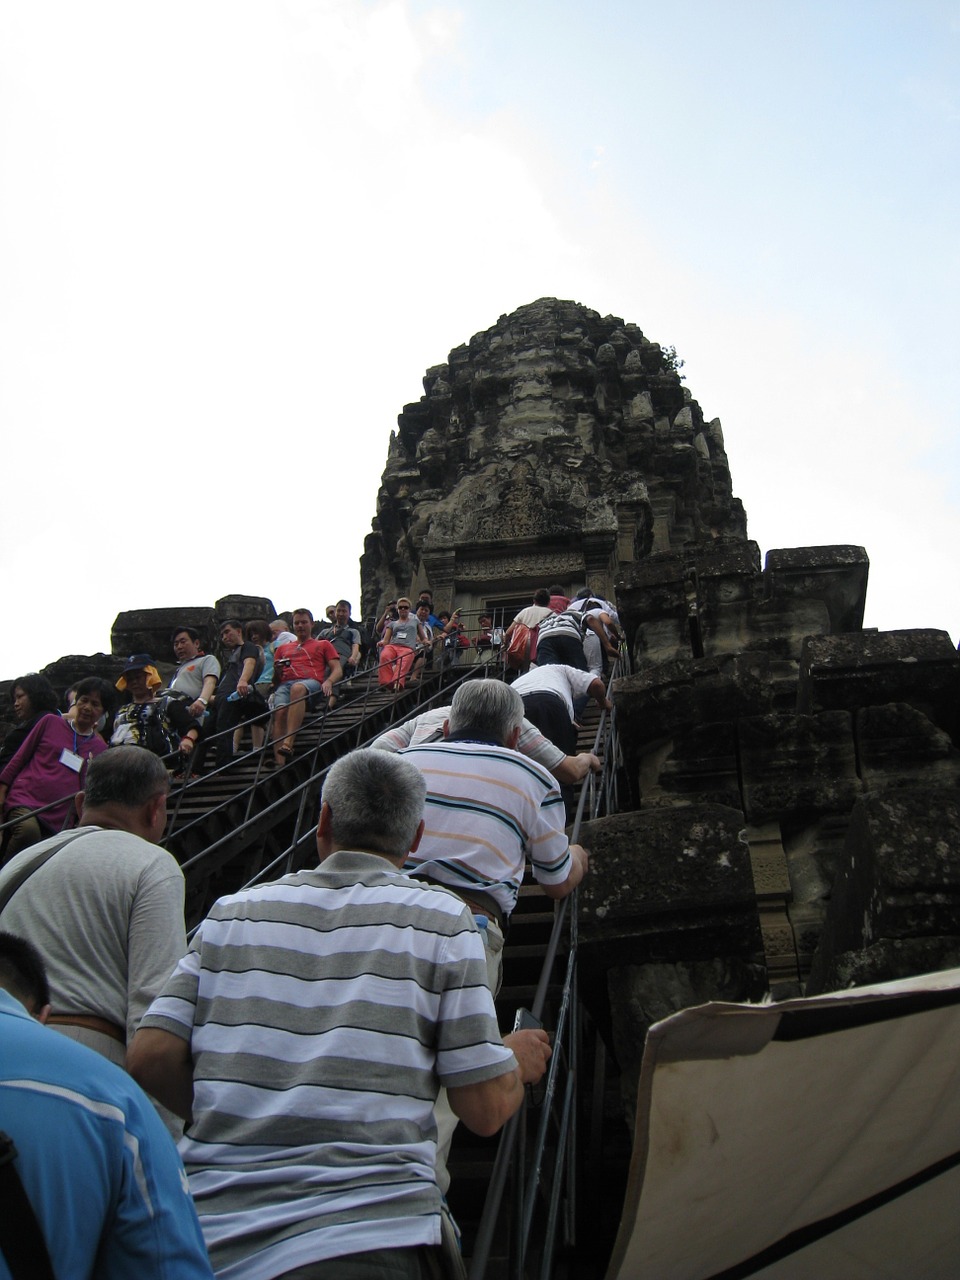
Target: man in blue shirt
<point>97,1166</point>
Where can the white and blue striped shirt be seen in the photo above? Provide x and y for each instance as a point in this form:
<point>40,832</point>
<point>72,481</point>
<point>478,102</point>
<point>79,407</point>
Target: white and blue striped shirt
<point>488,809</point>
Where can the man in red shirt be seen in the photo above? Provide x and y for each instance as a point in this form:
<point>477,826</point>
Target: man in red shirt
<point>299,669</point>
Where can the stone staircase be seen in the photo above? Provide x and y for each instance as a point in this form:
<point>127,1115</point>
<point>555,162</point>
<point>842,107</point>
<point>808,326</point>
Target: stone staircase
<point>231,824</point>
<point>472,1158</point>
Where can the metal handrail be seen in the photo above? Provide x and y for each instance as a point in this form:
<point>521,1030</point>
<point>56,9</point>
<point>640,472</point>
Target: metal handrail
<point>595,797</point>
<point>315,775</point>
<point>36,813</point>
<point>363,678</point>
<point>304,833</point>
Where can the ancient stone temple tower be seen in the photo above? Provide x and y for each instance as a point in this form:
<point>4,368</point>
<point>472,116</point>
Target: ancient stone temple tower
<point>558,446</point>
<point>789,800</point>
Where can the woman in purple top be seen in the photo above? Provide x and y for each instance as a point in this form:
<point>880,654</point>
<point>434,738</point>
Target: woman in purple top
<point>49,768</point>
<point>32,696</point>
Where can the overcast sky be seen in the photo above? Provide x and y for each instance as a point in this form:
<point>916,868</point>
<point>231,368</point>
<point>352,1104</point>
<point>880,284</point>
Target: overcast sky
<point>234,235</point>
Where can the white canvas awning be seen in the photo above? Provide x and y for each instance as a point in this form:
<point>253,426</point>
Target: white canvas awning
<point>814,1138</point>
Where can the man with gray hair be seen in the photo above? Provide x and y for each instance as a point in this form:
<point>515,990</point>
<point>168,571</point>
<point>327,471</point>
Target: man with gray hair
<point>488,809</point>
<point>103,904</point>
<point>311,1079</point>
<point>428,727</point>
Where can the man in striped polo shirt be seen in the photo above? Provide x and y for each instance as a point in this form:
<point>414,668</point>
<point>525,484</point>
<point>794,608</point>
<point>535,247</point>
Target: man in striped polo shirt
<point>307,1032</point>
<point>428,727</point>
<point>488,809</point>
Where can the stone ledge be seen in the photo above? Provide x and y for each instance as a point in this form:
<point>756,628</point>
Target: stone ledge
<point>846,672</point>
<point>836,575</point>
<point>898,879</point>
<point>669,884</point>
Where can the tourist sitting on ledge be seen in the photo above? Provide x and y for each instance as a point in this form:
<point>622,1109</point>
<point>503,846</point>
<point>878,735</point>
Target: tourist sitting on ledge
<point>277,633</point>
<point>424,658</point>
<point>426,597</point>
<point>197,673</point>
<point>346,639</point>
<point>32,696</point>
<point>452,639</point>
<point>258,633</point>
<point>160,724</point>
<point>237,697</point>
<point>390,614</point>
<point>300,670</point>
<point>49,768</point>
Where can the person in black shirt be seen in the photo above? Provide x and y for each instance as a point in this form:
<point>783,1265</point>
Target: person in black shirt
<point>240,672</point>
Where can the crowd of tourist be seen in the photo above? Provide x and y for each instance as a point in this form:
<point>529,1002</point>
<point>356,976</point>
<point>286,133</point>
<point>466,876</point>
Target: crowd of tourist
<point>322,1035</point>
<point>268,675</point>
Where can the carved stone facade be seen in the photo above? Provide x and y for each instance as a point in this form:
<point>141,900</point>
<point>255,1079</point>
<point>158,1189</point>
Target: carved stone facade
<point>768,742</point>
<point>558,446</point>
<point>833,751</point>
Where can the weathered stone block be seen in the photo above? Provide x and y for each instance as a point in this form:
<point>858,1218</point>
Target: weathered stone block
<point>640,995</point>
<point>727,569</point>
<point>806,921</point>
<point>835,575</point>
<point>150,630</point>
<point>920,667</point>
<point>775,627</point>
<point>245,608</point>
<point>900,877</point>
<point>653,608</point>
<point>814,846</point>
<point>791,763</point>
<point>68,670</point>
<point>768,860</point>
<point>885,961</point>
<point>699,765</point>
<point>673,884</point>
<point>898,745</point>
<point>779,949</point>
<point>670,697</point>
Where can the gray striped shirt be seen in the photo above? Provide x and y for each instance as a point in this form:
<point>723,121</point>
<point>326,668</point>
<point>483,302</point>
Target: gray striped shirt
<point>323,1011</point>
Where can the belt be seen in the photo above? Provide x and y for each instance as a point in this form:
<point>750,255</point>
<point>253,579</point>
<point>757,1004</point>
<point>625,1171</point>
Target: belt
<point>483,904</point>
<point>91,1022</point>
<point>545,693</point>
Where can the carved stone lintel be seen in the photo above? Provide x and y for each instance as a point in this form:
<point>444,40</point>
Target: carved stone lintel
<point>560,564</point>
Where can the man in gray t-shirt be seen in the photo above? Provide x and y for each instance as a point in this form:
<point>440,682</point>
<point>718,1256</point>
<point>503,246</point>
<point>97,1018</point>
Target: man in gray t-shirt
<point>345,639</point>
<point>103,904</point>
<point>197,673</point>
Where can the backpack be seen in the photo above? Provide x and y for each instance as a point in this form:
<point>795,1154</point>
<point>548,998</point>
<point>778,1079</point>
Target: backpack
<point>570,622</point>
<point>156,733</point>
<point>520,647</point>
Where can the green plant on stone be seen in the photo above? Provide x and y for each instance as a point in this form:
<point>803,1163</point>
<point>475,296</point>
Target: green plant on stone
<point>671,362</point>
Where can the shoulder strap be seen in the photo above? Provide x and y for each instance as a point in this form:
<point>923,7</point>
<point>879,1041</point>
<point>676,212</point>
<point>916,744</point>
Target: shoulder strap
<point>27,870</point>
<point>21,1240</point>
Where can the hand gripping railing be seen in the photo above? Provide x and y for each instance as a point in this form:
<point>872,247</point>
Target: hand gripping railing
<point>534,1180</point>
